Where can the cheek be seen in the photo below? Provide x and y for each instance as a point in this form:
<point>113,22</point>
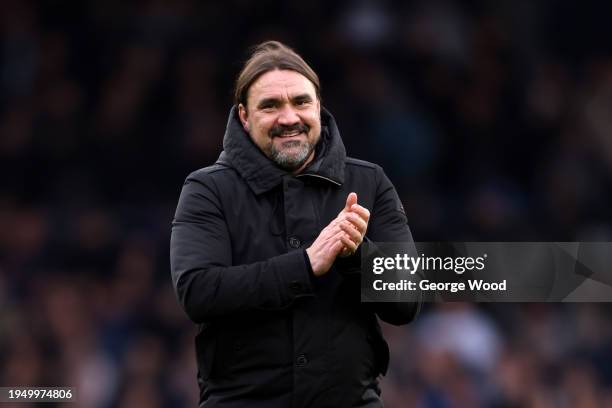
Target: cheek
<point>311,118</point>
<point>315,121</point>
<point>263,125</point>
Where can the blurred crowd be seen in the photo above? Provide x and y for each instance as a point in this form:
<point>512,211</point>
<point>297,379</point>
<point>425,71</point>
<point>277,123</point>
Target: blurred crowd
<point>493,120</point>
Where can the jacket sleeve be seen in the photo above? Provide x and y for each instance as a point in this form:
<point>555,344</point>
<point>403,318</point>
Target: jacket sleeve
<point>388,223</point>
<point>206,282</point>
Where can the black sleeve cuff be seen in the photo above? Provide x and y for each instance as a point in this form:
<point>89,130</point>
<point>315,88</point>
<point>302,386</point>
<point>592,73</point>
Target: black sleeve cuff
<point>350,264</point>
<point>309,267</point>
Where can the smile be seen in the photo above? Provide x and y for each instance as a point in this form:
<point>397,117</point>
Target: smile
<point>291,134</point>
<point>288,131</point>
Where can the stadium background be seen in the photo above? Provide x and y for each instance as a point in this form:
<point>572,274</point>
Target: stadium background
<point>491,118</point>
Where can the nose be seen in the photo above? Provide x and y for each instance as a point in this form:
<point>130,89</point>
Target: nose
<point>288,116</point>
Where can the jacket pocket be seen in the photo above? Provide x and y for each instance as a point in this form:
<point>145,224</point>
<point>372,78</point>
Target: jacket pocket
<point>205,342</point>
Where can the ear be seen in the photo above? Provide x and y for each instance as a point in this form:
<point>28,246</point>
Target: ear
<point>242,113</point>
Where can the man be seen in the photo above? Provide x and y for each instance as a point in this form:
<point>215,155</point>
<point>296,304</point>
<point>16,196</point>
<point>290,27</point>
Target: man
<point>265,251</point>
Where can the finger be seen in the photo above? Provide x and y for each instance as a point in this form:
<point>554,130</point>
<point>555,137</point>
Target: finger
<point>349,244</point>
<point>336,246</point>
<point>333,239</point>
<point>351,200</point>
<point>357,222</point>
<point>352,232</point>
<point>363,212</point>
<point>333,228</point>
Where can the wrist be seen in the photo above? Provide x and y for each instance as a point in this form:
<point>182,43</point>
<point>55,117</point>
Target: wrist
<point>314,265</point>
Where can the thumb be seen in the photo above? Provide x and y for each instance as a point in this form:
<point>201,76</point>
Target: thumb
<point>350,200</point>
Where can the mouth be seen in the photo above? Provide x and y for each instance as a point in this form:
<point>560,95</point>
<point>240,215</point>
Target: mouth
<point>290,134</point>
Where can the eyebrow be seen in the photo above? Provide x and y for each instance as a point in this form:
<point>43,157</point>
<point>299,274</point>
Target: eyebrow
<point>301,98</point>
<point>276,101</point>
<point>268,101</point>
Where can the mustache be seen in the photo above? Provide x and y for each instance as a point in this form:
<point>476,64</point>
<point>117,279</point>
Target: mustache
<point>280,129</point>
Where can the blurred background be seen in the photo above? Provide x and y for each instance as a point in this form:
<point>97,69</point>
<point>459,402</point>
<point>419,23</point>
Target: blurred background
<point>493,120</point>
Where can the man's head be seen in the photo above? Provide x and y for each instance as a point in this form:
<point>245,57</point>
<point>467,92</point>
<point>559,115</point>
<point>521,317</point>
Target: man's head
<point>278,99</point>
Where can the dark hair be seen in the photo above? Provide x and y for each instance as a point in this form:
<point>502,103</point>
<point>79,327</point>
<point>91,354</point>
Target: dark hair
<point>269,56</point>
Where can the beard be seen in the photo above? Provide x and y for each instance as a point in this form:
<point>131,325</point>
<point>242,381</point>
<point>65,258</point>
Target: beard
<point>292,154</point>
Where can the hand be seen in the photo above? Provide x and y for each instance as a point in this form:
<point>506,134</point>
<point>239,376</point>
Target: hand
<point>358,218</point>
<point>344,233</point>
<point>324,250</point>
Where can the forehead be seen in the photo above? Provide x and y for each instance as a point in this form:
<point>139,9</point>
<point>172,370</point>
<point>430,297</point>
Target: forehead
<point>281,84</point>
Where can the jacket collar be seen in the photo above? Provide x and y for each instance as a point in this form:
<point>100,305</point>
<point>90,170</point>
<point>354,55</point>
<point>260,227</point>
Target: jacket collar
<point>262,174</point>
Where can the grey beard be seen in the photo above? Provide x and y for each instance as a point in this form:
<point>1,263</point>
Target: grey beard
<point>288,161</point>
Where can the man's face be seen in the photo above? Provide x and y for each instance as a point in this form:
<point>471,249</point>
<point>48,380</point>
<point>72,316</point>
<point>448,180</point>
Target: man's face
<point>283,117</point>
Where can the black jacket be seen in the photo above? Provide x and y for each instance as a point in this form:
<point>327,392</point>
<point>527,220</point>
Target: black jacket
<point>270,333</point>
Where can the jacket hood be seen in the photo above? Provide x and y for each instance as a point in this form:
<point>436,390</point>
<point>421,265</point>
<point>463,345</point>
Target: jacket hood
<point>262,174</point>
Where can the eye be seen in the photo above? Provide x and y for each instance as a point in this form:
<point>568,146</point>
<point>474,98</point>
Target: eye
<point>267,107</point>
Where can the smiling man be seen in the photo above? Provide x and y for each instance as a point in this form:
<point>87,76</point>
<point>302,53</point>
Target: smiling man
<point>265,251</point>
<point>285,119</point>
